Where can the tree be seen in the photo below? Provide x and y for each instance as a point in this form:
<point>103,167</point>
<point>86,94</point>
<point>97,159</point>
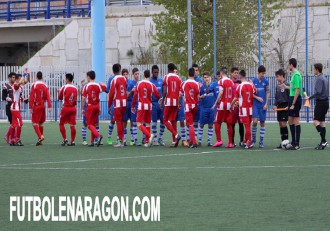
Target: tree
<point>237,28</point>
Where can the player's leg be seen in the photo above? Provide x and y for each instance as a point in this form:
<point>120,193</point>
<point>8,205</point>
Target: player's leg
<point>203,117</point>
<point>248,136</point>
<point>262,118</point>
<point>320,111</point>
<point>241,132</point>
<point>63,120</point>
<point>9,116</point>
<point>228,119</point>
<point>200,134</point>
<point>84,130</point>
<point>119,114</point>
<point>167,120</point>
<point>13,127</point>
<point>111,125</point>
<point>255,119</point>
<point>72,122</point>
<point>217,128</point>
<point>154,120</point>
<point>190,123</point>
<point>135,128</point>
<point>196,119</point>
<point>162,127</point>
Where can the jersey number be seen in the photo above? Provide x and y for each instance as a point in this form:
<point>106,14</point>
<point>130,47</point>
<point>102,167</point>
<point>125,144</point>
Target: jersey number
<point>174,86</point>
<point>145,93</point>
<point>122,91</point>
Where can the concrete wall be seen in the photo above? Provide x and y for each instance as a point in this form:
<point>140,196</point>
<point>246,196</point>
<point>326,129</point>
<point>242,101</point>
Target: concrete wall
<point>127,28</point>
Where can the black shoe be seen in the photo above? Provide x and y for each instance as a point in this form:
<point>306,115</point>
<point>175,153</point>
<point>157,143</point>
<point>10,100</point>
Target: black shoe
<point>177,141</point>
<point>279,146</point>
<point>209,145</point>
<point>12,144</point>
<point>321,146</point>
<point>295,147</point>
<point>91,145</point>
<point>19,143</point>
<point>99,141</point>
<point>40,140</point>
<point>191,145</point>
<point>72,144</point>
<point>199,144</point>
<point>64,142</point>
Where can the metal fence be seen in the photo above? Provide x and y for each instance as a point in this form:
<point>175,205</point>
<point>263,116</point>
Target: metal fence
<point>54,77</point>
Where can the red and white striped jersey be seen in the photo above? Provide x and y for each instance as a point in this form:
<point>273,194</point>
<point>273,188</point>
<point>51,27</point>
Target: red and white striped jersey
<point>68,94</point>
<point>16,99</point>
<point>39,94</point>
<point>190,90</point>
<point>226,85</point>
<point>172,82</point>
<point>244,94</point>
<point>144,91</point>
<point>118,94</point>
<point>92,91</point>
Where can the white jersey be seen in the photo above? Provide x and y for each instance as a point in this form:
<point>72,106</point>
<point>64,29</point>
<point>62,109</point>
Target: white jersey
<point>16,100</point>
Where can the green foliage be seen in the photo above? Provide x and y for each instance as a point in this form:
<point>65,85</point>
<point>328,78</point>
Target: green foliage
<point>237,29</point>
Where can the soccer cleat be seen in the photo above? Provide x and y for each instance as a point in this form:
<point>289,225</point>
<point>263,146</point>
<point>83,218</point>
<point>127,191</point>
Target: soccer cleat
<point>192,145</point>
<point>161,142</point>
<point>155,143</point>
<point>119,145</point>
<point>321,146</point>
<point>295,147</point>
<point>19,143</point>
<point>279,147</point>
<point>178,138</point>
<point>241,144</point>
<point>72,144</point>
<point>84,143</point>
<point>146,145</point>
<point>12,144</point>
<point>6,137</point>
<point>137,143</point>
<point>91,145</point>
<point>40,141</point>
<point>172,145</point>
<point>109,141</point>
<point>125,143</point>
<point>99,141</point>
<point>235,145</point>
<point>199,144</point>
<point>248,145</point>
<point>209,144</point>
<point>132,143</point>
<point>217,144</point>
<point>230,145</point>
<point>185,143</point>
<point>64,142</point>
<point>261,145</point>
<point>143,140</point>
<point>151,138</point>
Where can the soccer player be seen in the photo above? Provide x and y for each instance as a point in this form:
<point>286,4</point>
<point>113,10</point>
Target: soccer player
<point>17,122</point>
<point>190,90</point>
<point>281,104</point>
<point>224,114</point>
<point>68,93</point>
<point>206,113</point>
<point>118,96</point>
<point>157,112</point>
<point>91,101</point>
<point>321,96</point>
<point>39,94</point>
<point>244,95</point>
<point>295,102</point>
<point>144,92</point>
<point>260,105</point>
<point>172,83</point>
<point>235,78</point>
<point>199,80</point>
<point>7,95</point>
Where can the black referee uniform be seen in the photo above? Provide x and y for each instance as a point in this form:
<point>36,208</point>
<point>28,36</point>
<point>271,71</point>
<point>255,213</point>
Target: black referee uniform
<point>282,101</point>
<point>7,93</point>
<point>321,96</point>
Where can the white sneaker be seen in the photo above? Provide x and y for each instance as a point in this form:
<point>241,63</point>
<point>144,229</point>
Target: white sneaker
<point>150,140</point>
<point>119,145</point>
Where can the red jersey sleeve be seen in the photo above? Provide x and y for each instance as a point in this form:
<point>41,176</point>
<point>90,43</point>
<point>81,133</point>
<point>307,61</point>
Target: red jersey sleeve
<point>60,94</point>
<point>48,97</point>
<point>111,93</point>
<point>155,92</point>
<point>31,98</point>
<point>236,93</point>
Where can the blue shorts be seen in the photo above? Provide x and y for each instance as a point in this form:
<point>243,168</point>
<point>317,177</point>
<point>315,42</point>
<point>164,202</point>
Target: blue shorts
<point>197,116</point>
<point>259,113</point>
<point>206,116</point>
<point>157,113</point>
<point>180,116</point>
<point>128,112</point>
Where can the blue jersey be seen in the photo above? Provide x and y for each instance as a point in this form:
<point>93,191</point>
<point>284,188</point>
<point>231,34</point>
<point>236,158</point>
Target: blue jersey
<point>159,85</point>
<point>130,85</point>
<point>109,83</point>
<point>262,87</point>
<point>216,89</point>
<point>209,99</point>
<point>198,79</point>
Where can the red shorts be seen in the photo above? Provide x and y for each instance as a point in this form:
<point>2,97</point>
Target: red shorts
<point>246,119</point>
<point>144,116</point>
<point>92,114</point>
<point>68,115</point>
<point>119,113</point>
<point>38,114</point>
<point>16,119</point>
<point>170,113</point>
<point>224,116</point>
<point>235,113</point>
<point>189,116</point>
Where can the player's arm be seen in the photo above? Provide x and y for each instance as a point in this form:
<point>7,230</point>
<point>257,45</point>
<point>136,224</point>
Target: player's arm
<point>111,94</point>
<point>218,98</point>
<point>155,92</point>
<point>83,103</point>
<point>108,86</point>
<point>31,101</point>
<point>267,97</point>
<point>60,94</point>
<point>134,101</point>
<point>49,102</point>
<point>318,89</point>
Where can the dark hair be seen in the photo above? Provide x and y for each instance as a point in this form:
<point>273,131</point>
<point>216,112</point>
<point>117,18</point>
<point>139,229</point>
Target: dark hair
<point>319,67</point>
<point>171,67</point>
<point>123,71</point>
<point>242,73</point>
<point>280,72</point>
<point>147,73</point>
<point>191,72</point>
<point>39,75</point>
<point>233,69</point>
<point>11,74</point>
<point>261,68</point>
<point>206,73</point>
<point>195,65</point>
<point>293,62</point>
<point>69,77</point>
<point>154,67</point>
<point>223,70</point>
<point>17,76</point>
<point>91,74</point>
<point>135,69</point>
<point>218,73</point>
<point>116,68</point>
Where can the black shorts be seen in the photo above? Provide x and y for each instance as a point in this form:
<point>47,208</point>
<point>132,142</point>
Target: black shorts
<point>320,110</point>
<point>8,113</point>
<point>295,112</point>
<point>282,116</point>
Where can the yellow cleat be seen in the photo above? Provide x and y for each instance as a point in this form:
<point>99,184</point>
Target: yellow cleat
<point>185,144</point>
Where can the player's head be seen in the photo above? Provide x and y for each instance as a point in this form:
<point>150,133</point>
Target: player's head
<point>116,68</point>
<point>18,77</point>
<point>218,75</point>
<point>191,73</point>
<point>234,73</point>
<point>124,73</point>
<point>39,75</point>
<point>170,68</point>
<point>176,70</point>
<point>11,77</point>
<point>292,64</point>
<point>318,68</point>
<point>206,76</point>
<point>261,71</point>
<point>69,78</point>
<point>155,71</point>
<point>91,76</point>
<point>242,75</point>
<point>146,74</point>
<point>280,75</point>
<point>196,68</point>
<point>223,71</point>
<point>136,73</point>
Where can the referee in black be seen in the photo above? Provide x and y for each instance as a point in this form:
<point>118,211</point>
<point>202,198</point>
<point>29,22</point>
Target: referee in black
<point>321,96</point>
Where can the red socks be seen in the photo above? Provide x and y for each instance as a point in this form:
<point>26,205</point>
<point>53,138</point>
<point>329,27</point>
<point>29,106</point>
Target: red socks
<point>37,130</point>
<point>247,132</point>
<point>73,133</point>
<point>41,129</point>
<point>230,133</point>
<point>120,130</point>
<point>146,131</point>
<point>63,131</point>
<point>217,129</point>
<point>172,128</point>
<point>192,136</point>
<point>94,132</point>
